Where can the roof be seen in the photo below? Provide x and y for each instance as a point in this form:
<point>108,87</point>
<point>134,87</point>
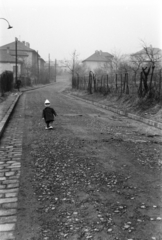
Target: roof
<point>22,49</point>
<point>42,59</point>
<point>99,56</point>
<point>150,50</point>
<point>7,58</point>
<point>20,46</point>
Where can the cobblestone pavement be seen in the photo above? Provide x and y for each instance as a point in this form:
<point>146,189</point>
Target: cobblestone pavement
<point>10,152</point>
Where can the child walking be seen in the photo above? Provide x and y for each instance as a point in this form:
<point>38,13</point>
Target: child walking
<point>48,114</point>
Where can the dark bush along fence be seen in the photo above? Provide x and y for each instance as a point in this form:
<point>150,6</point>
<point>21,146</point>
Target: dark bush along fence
<point>6,82</point>
<point>25,81</point>
<point>127,83</point>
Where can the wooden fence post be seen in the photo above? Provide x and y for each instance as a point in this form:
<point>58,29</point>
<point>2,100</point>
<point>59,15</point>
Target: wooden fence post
<point>90,82</point>
<point>84,82</point>
<point>116,81</point>
<point>94,80</point>
<point>127,82</point>
<point>78,81</point>
<point>140,86</point>
<point>125,79</point>
<point>121,82</point>
<point>160,85</point>
<point>107,82</point>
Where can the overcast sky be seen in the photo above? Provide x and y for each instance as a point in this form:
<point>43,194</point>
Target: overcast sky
<point>58,27</point>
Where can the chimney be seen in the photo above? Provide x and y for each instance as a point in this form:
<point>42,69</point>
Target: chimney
<point>100,52</point>
<point>23,42</point>
<point>8,50</point>
<point>27,44</point>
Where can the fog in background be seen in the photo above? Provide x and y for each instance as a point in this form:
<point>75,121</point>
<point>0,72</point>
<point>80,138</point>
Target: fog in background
<point>58,27</point>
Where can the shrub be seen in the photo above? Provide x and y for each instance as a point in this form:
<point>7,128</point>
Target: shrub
<point>6,82</point>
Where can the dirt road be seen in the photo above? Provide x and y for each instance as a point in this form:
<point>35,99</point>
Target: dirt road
<point>97,175</point>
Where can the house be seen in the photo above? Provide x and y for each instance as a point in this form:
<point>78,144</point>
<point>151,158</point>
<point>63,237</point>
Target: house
<point>29,61</point>
<point>148,55</point>
<point>7,62</point>
<point>41,63</point>
<point>98,60</point>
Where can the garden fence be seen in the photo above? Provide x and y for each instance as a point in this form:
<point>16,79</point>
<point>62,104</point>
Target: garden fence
<point>126,83</point>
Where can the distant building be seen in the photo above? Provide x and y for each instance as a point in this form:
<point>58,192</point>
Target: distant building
<point>98,60</point>
<point>60,66</point>
<point>63,66</point>
<point>7,62</point>
<point>29,61</point>
<point>148,55</point>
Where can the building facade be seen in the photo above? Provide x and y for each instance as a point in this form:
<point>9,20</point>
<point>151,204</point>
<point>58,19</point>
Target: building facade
<point>98,60</point>
<point>29,61</point>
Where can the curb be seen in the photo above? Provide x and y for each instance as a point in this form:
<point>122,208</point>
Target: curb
<point>123,113</point>
<point>7,116</point>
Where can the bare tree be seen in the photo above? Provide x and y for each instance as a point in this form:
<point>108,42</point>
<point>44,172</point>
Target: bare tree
<point>136,62</point>
<point>74,65</point>
<point>147,59</point>
<point>124,66</point>
<point>71,64</point>
<point>116,60</point>
<point>152,55</point>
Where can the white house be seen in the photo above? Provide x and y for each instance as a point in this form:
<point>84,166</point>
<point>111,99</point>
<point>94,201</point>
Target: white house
<point>7,62</point>
<point>148,55</point>
<point>98,60</point>
<point>28,60</point>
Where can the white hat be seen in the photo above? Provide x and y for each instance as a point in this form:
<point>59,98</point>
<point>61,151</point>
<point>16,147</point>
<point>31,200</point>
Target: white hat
<point>47,102</point>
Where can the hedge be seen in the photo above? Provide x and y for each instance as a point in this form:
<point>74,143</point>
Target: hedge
<point>6,82</point>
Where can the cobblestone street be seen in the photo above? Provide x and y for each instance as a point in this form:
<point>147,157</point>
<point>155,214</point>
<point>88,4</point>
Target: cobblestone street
<point>10,165</point>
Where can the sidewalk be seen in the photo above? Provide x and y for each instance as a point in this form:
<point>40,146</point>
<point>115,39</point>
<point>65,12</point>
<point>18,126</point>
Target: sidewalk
<point>6,109</point>
<point>7,106</point>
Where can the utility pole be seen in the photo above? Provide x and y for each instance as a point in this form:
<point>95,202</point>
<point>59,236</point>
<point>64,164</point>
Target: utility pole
<point>73,70</point>
<point>38,66</point>
<point>16,60</point>
<point>49,68</point>
<point>55,69</point>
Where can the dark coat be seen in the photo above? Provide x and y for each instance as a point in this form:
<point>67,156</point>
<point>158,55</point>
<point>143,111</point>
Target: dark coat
<point>48,114</point>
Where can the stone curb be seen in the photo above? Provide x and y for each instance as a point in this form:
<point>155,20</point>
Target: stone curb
<point>6,118</point>
<point>120,112</point>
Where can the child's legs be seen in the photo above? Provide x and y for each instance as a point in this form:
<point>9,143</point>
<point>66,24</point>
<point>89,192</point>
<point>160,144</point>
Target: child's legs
<point>48,123</point>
